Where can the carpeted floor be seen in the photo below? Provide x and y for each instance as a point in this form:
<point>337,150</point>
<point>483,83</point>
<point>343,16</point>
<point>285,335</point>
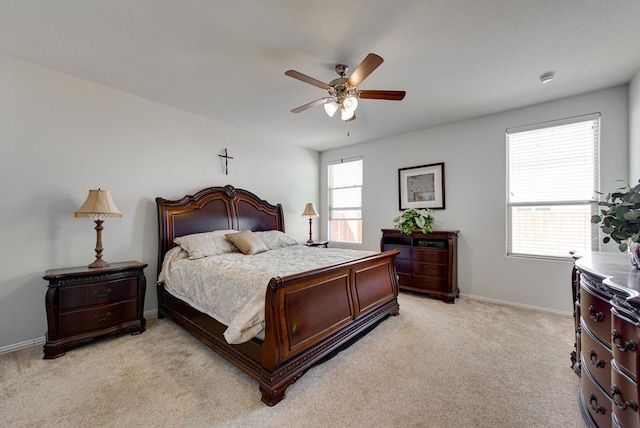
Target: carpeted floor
<point>471,364</point>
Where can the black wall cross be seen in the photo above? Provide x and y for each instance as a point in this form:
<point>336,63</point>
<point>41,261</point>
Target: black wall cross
<point>226,161</point>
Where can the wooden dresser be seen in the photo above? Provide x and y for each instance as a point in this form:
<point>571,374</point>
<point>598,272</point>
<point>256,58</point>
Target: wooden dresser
<point>607,318</point>
<point>427,263</point>
<point>84,303</point>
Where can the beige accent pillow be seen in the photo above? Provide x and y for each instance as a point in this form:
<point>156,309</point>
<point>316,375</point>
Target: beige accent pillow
<point>247,242</point>
<point>273,239</point>
<point>206,244</point>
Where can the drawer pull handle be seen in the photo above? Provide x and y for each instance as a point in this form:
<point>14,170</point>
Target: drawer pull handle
<point>105,294</point>
<point>596,408</point>
<point>95,317</point>
<point>624,404</point>
<point>629,345</point>
<point>594,359</point>
<point>596,316</point>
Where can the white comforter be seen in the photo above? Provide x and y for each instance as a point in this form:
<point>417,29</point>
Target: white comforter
<point>231,287</point>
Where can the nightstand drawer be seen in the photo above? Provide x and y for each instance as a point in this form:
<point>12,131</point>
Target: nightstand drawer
<point>97,318</point>
<point>431,256</point>
<point>79,296</point>
<point>429,269</point>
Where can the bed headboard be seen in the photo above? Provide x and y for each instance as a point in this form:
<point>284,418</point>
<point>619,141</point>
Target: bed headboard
<point>211,209</point>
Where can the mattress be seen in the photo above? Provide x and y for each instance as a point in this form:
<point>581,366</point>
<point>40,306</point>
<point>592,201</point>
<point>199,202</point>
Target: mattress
<point>231,287</point>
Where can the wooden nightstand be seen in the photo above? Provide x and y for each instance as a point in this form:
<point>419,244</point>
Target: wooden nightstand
<point>84,303</point>
<point>322,244</point>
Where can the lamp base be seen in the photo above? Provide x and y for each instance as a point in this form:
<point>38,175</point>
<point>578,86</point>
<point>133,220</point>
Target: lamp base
<point>309,241</point>
<point>98,263</point>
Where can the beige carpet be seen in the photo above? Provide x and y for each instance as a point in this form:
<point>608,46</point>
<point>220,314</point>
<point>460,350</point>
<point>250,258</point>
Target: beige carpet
<point>471,364</point>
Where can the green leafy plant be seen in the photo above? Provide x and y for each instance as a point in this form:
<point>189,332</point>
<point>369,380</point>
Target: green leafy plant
<point>620,220</point>
<point>414,218</point>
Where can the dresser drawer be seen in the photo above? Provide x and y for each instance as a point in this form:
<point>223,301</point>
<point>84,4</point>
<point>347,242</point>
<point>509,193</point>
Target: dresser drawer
<point>597,358</point>
<point>404,278</point>
<point>624,394</point>
<point>596,313</point>
<point>429,255</point>
<point>403,265</point>
<point>97,318</point>
<point>100,293</point>
<point>624,343</point>
<point>597,402</point>
<point>405,251</point>
<point>429,269</point>
<point>429,283</point>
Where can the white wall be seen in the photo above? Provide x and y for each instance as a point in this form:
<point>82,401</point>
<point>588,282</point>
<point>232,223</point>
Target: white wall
<point>634,129</point>
<point>61,136</point>
<point>474,155</point>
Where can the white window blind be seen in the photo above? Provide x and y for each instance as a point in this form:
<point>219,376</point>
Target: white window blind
<point>345,200</point>
<point>552,177</point>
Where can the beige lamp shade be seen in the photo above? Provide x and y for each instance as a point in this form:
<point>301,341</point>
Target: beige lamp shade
<point>310,210</point>
<point>98,205</point>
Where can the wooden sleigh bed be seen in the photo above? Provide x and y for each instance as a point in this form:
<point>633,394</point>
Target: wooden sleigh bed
<point>308,316</point>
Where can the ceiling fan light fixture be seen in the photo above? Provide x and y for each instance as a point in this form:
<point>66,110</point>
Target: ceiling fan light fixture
<point>331,108</point>
<point>346,114</point>
<point>350,103</point>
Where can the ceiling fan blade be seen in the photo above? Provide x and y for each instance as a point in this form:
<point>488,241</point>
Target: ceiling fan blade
<point>382,95</point>
<point>307,106</point>
<point>366,67</point>
<point>307,79</point>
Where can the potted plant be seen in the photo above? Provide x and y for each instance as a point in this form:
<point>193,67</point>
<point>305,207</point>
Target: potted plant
<point>620,220</point>
<point>414,218</point>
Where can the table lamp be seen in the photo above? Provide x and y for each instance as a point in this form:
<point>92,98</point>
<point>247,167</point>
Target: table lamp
<point>309,210</point>
<point>98,205</point>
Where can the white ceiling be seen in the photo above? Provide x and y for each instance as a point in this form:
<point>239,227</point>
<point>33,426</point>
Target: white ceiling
<point>226,60</point>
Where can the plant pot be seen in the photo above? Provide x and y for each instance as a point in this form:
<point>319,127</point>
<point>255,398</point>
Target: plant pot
<point>633,250</point>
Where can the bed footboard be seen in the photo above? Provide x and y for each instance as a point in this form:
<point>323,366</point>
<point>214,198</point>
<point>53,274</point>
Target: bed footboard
<point>308,316</point>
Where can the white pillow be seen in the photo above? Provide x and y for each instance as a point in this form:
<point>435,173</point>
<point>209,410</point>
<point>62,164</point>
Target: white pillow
<point>247,242</point>
<point>273,239</point>
<point>206,244</point>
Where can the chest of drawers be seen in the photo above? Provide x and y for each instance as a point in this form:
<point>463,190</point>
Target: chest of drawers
<point>607,312</point>
<point>84,303</point>
<point>427,263</point>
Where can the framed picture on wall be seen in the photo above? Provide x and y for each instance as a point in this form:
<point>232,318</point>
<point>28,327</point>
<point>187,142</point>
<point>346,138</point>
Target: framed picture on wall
<point>422,186</point>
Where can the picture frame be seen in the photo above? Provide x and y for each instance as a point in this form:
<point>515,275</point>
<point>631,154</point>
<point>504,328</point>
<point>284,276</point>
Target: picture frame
<point>421,186</point>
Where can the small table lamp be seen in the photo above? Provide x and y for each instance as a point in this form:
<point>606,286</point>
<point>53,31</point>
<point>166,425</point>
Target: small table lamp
<point>310,211</point>
<point>98,205</point>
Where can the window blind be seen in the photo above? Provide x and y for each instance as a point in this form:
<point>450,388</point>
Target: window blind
<point>345,200</point>
<point>552,177</point>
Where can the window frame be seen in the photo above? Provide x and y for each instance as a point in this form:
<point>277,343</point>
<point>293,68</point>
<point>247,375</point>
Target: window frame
<point>591,203</point>
<point>358,238</point>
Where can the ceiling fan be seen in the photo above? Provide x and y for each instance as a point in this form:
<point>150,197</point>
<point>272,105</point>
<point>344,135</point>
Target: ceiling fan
<point>343,91</point>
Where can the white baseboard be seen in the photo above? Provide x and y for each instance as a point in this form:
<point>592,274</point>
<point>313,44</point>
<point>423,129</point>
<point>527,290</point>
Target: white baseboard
<point>39,341</point>
<point>518,305</point>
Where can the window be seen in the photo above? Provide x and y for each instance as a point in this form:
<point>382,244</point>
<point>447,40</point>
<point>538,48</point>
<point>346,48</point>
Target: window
<point>345,200</point>
<point>552,177</point>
